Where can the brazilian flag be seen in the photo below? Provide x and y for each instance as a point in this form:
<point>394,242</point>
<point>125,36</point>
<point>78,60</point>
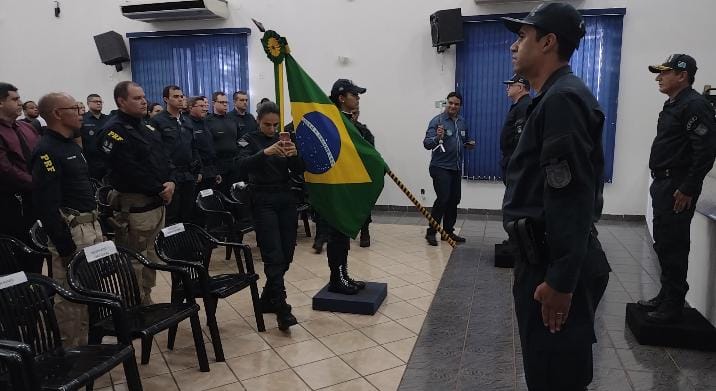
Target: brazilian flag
<point>344,174</point>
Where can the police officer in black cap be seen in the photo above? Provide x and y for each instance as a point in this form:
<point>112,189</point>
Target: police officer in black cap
<point>268,162</point>
<point>681,155</point>
<point>552,200</point>
<point>518,90</point>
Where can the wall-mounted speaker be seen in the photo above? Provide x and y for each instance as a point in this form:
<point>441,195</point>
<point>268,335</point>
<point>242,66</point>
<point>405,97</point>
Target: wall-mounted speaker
<point>112,49</point>
<point>446,27</point>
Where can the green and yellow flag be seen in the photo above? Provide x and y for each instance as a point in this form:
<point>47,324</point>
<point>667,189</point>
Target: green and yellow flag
<point>344,173</point>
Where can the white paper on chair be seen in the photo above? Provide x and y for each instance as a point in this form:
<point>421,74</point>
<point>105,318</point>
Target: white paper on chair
<point>12,279</point>
<point>206,193</point>
<point>100,250</point>
<point>173,229</point>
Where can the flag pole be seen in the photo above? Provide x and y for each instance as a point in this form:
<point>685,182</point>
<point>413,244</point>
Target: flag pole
<point>431,220</point>
<point>278,77</point>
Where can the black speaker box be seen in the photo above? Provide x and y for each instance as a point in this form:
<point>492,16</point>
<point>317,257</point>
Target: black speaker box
<point>111,48</point>
<point>446,27</point>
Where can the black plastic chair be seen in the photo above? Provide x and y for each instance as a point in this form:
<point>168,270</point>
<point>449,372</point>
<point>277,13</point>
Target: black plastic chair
<point>192,249</point>
<point>105,210</point>
<point>31,353</point>
<point>303,207</point>
<point>40,242</point>
<point>12,252</point>
<point>225,218</point>
<point>113,278</point>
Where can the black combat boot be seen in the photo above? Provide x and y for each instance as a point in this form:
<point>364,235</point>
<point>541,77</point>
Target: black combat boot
<point>271,306</point>
<point>284,317</point>
<point>344,274</point>
<point>669,311</point>
<point>430,237</point>
<point>652,304</point>
<point>339,284</point>
<point>365,237</point>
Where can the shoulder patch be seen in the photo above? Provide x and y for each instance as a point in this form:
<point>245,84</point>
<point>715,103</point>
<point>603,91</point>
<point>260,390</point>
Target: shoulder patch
<point>243,143</point>
<point>47,162</point>
<point>701,130</point>
<point>114,136</point>
<point>558,175</point>
<point>107,146</point>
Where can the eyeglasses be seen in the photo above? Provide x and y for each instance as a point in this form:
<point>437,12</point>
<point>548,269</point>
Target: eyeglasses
<point>76,108</point>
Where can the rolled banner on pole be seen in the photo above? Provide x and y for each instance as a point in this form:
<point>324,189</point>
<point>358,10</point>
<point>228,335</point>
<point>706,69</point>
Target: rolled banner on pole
<point>444,234</point>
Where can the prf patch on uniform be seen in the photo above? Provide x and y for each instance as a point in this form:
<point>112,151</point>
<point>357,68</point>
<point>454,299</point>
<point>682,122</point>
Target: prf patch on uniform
<point>114,136</point>
<point>558,175</point>
<point>47,163</point>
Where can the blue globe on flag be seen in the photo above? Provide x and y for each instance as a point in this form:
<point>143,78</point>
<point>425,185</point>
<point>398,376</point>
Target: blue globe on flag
<point>319,142</point>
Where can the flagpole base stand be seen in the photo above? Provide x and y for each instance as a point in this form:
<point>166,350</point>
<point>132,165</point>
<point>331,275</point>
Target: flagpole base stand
<point>365,302</point>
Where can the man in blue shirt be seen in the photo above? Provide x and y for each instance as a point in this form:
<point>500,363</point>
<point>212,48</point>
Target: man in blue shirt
<point>447,138</point>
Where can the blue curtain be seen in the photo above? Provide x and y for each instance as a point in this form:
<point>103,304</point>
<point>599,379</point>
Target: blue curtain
<point>200,63</point>
<point>484,61</point>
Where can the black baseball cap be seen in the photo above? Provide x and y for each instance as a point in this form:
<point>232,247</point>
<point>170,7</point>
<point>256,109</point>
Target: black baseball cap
<point>559,18</point>
<point>342,86</point>
<point>518,79</point>
<point>676,62</point>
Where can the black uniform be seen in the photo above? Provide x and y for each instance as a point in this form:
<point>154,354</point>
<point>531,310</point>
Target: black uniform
<point>246,123</point>
<point>178,143</point>
<point>61,178</point>
<point>224,132</point>
<point>554,184</point>
<point>204,145</point>
<point>681,155</point>
<point>273,206</point>
<point>512,129</point>
<point>137,160</point>
<point>35,124</point>
<point>91,127</point>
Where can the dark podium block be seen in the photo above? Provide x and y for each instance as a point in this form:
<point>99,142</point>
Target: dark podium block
<point>366,302</point>
<point>692,332</point>
<point>505,255</point>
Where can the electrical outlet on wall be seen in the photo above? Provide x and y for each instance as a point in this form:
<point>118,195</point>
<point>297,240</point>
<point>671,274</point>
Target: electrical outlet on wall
<point>439,104</point>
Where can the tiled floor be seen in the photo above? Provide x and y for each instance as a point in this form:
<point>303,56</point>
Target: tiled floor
<point>462,337</point>
<point>326,351</point>
<point>469,339</point>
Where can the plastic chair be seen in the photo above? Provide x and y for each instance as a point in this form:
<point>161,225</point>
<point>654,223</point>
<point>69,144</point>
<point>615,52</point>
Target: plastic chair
<point>40,241</point>
<point>31,353</point>
<point>302,205</point>
<point>192,249</point>
<point>12,252</point>
<point>105,210</point>
<point>113,278</point>
<point>225,218</point>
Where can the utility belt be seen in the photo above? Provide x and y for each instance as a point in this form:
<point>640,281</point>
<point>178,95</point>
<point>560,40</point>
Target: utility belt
<point>669,173</point>
<point>74,217</point>
<point>133,202</point>
<point>530,239</point>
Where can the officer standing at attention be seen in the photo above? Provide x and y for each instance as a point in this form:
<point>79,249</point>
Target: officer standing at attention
<point>268,162</point>
<point>203,142</point>
<point>224,132</point>
<point>178,142</point>
<point>92,122</point>
<point>681,155</point>
<point>518,90</point>
<point>447,138</point>
<point>142,178</point>
<point>553,198</point>
<point>240,114</point>
<point>64,202</point>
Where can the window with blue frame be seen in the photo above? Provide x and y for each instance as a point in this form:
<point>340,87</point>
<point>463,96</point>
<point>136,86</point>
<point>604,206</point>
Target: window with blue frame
<point>198,61</point>
<point>484,61</point>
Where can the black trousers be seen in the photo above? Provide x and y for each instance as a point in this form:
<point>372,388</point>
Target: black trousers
<point>447,189</point>
<point>275,224</point>
<point>672,239</point>
<point>181,209</point>
<point>229,175</point>
<point>16,218</point>
<point>337,247</point>
<point>560,361</point>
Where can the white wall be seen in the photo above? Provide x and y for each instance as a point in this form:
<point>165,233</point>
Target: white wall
<point>388,43</point>
<point>702,270</point>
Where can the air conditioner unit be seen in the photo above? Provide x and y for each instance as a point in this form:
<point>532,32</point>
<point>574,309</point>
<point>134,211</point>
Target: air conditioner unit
<point>165,10</point>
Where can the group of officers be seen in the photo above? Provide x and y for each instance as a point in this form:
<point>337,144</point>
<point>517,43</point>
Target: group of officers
<point>553,167</point>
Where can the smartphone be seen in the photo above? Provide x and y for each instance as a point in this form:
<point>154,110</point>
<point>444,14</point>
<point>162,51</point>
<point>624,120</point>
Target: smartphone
<point>284,136</point>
